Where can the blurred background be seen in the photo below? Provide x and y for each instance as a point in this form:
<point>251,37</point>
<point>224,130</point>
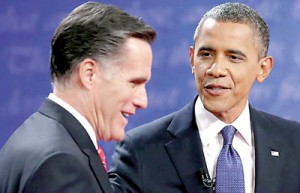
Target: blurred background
<point>26,29</point>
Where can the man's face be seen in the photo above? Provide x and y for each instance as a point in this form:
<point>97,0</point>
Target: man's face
<point>225,65</point>
<point>121,90</point>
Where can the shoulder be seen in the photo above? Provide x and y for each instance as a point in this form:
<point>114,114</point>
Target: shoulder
<point>271,119</point>
<point>280,129</point>
<point>163,128</point>
<point>37,138</point>
<point>61,169</point>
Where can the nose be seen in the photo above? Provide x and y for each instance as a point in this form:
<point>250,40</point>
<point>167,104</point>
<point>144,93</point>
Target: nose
<point>140,99</point>
<point>218,68</point>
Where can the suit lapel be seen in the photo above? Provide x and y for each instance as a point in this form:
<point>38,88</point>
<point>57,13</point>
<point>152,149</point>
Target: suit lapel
<point>185,150</point>
<point>98,170</point>
<point>267,154</point>
<point>81,138</point>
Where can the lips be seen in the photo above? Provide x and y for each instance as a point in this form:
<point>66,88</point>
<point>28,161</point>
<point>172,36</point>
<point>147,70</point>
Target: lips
<point>216,89</point>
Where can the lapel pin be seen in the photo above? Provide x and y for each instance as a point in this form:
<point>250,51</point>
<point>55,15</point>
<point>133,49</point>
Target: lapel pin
<point>275,153</point>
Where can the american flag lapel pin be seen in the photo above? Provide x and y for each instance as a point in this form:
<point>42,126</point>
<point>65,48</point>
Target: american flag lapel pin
<point>274,153</point>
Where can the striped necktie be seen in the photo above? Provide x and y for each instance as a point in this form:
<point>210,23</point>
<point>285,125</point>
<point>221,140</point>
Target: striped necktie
<point>102,157</point>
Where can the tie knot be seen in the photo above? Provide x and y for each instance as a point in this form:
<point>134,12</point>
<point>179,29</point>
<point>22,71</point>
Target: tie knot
<point>228,133</point>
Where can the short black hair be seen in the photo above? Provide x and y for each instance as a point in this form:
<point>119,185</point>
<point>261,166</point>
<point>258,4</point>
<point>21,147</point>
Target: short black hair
<point>240,13</point>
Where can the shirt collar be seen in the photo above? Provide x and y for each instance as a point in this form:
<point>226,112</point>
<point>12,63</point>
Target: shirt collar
<point>210,126</point>
<point>87,126</point>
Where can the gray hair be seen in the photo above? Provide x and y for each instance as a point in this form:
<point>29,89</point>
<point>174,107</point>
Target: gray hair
<point>240,13</point>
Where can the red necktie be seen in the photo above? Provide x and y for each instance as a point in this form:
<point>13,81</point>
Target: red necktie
<point>102,157</point>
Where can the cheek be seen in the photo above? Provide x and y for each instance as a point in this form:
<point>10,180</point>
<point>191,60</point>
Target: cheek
<point>125,96</point>
<point>242,85</point>
<point>119,101</point>
<point>243,77</point>
<point>200,72</point>
<point>202,67</point>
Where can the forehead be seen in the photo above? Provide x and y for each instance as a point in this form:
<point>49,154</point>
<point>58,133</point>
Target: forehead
<point>215,32</point>
<point>135,59</point>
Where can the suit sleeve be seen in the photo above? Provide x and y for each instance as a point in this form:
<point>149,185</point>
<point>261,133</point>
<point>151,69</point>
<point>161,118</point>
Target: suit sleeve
<point>125,171</point>
<point>58,173</point>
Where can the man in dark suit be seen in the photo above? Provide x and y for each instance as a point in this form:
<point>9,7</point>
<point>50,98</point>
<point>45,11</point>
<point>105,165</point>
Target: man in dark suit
<point>100,63</point>
<point>180,152</point>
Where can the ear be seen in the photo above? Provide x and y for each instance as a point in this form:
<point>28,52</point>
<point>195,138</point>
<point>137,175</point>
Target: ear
<point>87,72</point>
<point>265,67</point>
<point>192,58</point>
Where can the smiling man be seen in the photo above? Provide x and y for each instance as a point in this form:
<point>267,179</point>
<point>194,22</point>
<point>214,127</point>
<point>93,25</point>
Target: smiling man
<point>219,142</point>
<point>100,63</point>
<point>226,60</point>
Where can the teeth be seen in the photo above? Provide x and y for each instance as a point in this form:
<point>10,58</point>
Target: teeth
<point>126,115</point>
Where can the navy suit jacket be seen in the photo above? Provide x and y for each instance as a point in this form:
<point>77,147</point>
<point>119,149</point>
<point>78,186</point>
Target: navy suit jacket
<point>165,156</point>
<point>51,152</point>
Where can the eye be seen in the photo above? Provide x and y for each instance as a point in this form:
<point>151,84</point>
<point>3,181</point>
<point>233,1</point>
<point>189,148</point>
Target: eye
<point>235,58</point>
<point>204,55</point>
<point>135,83</point>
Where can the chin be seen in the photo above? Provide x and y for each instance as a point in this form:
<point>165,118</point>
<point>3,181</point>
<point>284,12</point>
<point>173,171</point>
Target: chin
<point>215,108</point>
<point>212,104</point>
<point>118,136</point>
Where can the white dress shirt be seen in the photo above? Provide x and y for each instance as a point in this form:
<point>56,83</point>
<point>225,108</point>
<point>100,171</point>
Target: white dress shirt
<point>87,126</point>
<point>209,127</point>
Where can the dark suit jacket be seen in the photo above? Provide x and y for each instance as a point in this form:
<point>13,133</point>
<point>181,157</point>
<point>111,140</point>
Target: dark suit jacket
<point>51,152</point>
<point>165,156</point>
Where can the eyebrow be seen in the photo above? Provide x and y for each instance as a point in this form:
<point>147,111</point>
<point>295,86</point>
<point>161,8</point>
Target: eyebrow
<point>206,48</point>
<point>238,52</point>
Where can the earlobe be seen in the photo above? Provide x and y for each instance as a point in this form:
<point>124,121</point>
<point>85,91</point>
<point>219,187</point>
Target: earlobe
<point>266,65</point>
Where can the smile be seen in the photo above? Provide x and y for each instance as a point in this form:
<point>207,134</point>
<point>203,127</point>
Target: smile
<point>126,115</point>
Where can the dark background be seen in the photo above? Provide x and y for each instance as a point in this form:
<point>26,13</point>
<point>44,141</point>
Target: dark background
<point>26,28</point>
